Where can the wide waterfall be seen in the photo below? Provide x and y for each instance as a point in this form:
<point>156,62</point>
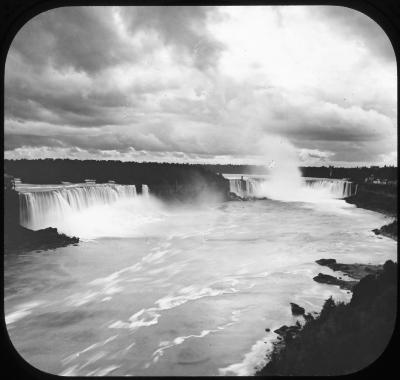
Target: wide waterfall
<point>259,186</point>
<point>45,206</point>
<point>337,187</point>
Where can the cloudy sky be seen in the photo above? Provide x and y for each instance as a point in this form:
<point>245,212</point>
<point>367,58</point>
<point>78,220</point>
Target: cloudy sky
<point>202,84</point>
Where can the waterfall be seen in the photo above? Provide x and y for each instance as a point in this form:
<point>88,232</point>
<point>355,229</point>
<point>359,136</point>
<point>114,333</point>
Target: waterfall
<point>47,207</point>
<point>259,186</point>
<point>244,187</point>
<point>337,187</point>
<point>145,190</point>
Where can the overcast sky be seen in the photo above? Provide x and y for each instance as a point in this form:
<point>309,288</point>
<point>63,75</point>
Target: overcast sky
<point>202,84</point>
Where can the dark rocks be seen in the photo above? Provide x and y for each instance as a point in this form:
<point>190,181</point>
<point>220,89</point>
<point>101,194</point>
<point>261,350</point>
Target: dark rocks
<point>296,309</point>
<point>308,317</point>
<point>326,262</point>
<point>330,280</point>
<point>288,332</point>
<point>235,197</point>
<point>326,279</point>
<point>267,330</point>
<point>282,330</point>
<point>357,271</point>
<point>17,238</point>
<point>388,230</point>
<point>344,338</point>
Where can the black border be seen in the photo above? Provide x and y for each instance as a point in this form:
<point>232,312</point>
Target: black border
<point>15,13</point>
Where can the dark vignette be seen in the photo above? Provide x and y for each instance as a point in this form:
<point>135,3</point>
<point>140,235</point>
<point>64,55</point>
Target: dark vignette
<point>16,13</point>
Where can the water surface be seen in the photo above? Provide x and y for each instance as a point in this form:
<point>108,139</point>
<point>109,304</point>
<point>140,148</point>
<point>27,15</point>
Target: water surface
<point>180,291</point>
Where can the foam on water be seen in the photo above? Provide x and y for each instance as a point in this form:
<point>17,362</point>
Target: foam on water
<point>297,189</point>
<point>22,311</point>
<point>88,211</point>
<point>150,316</point>
<point>154,302</point>
<point>252,361</point>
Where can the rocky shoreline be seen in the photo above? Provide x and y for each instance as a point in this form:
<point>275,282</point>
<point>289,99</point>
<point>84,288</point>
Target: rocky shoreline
<point>343,338</point>
<point>388,230</point>
<point>20,239</point>
<point>355,271</point>
<point>376,197</point>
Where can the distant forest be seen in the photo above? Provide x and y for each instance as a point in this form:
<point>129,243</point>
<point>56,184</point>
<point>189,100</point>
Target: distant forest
<point>52,171</point>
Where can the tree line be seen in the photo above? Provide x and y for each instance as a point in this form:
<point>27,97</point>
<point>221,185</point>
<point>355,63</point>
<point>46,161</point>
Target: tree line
<point>53,171</point>
<point>154,173</point>
<point>356,174</point>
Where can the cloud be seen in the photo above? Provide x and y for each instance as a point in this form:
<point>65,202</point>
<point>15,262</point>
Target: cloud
<point>356,25</point>
<point>82,38</point>
<point>185,28</point>
<point>202,83</point>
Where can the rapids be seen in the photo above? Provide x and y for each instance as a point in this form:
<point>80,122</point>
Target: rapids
<point>153,289</point>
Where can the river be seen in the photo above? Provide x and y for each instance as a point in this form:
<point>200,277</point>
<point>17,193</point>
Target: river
<point>154,289</point>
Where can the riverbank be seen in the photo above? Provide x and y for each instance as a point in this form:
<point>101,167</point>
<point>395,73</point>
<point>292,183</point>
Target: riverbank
<point>376,197</point>
<point>388,230</point>
<point>380,198</point>
<point>354,271</point>
<point>20,239</point>
<point>344,338</point>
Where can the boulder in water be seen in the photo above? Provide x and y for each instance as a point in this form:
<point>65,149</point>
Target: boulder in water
<point>288,332</point>
<point>356,271</point>
<point>326,262</point>
<point>296,309</point>
<point>331,280</point>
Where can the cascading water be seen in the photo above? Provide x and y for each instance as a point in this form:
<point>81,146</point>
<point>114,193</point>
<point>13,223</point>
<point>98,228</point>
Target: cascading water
<point>50,207</point>
<point>338,188</point>
<point>244,187</point>
<point>145,190</point>
<point>262,186</point>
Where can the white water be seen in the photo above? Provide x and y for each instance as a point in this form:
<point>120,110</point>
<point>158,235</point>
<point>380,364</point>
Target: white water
<point>161,290</point>
<point>303,189</point>
<point>69,207</point>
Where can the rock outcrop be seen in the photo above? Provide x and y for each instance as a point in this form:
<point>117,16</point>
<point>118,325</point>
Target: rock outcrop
<point>296,309</point>
<point>389,230</point>
<point>331,280</point>
<point>344,338</point>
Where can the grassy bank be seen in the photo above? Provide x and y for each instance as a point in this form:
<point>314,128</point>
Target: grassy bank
<point>344,338</point>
